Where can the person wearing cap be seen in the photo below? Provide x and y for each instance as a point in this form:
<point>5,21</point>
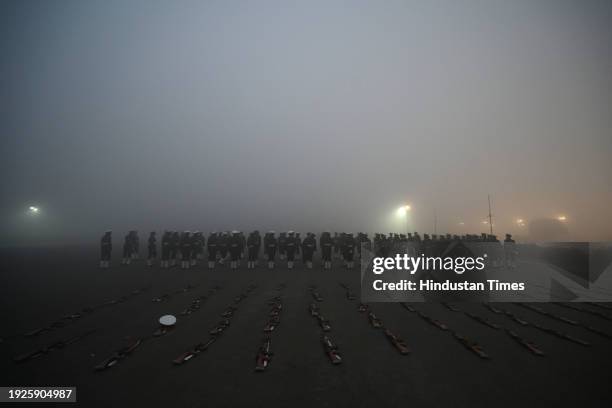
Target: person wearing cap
<point>257,246</point>
<point>341,246</point>
<point>253,249</point>
<point>222,246</point>
<point>151,248</point>
<point>327,243</point>
<point>196,248</point>
<point>106,247</point>
<point>165,250</point>
<point>348,250</point>
<point>135,242</point>
<point>243,241</point>
<point>359,241</point>
<point>336,240</point>
<point>198,243</point>
<point>290,246</point>
<point>270,245</point>
<point>235,249</point>
<point>309,246</point>
<point>298,243</point>
<point>377,243</point>
<point>175,243</point>
<point>364,242</point>
<point>185,246</point>
<point>212,250</point>
<point>127,249</point>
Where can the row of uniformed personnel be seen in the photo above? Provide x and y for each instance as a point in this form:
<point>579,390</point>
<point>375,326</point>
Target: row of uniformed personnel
<point>188,247</point>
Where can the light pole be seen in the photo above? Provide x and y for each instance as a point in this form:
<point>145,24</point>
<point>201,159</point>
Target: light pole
<point>403,212</point>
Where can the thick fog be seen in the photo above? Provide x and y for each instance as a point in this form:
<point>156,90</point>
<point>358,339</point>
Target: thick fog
<point>309,115</point>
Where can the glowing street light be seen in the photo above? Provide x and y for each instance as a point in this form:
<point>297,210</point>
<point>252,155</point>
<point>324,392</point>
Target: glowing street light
<point>403,210</point>
<point>562,218</point>
<point>520,222</point>
<point>33,210</point>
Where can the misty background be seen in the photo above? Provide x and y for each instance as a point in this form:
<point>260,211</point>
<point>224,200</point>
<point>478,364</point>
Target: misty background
<point>308,115</point>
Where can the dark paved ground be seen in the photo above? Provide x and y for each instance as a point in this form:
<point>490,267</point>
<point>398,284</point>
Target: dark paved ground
<point>37,286</point>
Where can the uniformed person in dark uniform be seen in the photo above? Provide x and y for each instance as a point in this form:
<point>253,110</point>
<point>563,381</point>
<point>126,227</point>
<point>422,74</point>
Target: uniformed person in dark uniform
<point>165,249</point>
<point>257,245</point>
<point>127,249</point>
<point>185,246</point>
<point>196,248</point>
<point>348,250</point>
<point>135,245</point>
<point>235,249</point>
<point>282,245</point>
<point>175,243</point>
<point>339,242</point>
<point>222,246</point>
<point>377,243</point>
<point>270,246</point>
<point>212,249</point>
<point>361,239</point>
<point>106,248</point>
<point>290,247</point>
<point>365,243</point>
<point>243,241</point>
<point>309,246</point>
<point>298,243</point>
<point>327,244</point>
<point>199,242</point>
<point>132,238</point>
<point>252,249</point>
<point>151,248</point>
<point>336,240</point>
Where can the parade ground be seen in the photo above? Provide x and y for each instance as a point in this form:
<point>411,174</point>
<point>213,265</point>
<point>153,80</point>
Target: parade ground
<point>63,316</point>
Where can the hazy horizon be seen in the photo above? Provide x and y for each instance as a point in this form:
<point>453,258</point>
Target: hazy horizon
<point>312,116</point>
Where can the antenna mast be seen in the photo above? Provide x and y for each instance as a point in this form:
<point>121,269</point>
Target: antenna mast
<point>490,216</point>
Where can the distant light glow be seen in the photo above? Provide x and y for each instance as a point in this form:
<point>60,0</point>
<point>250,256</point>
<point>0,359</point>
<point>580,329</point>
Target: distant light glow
<point>33,210</point>
<point>462,223</point>
<point>520,222</point>
<point>562,218</point>
<point>403,210</point>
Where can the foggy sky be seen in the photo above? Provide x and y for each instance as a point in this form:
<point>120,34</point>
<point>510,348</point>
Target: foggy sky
<point>307,115</point>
